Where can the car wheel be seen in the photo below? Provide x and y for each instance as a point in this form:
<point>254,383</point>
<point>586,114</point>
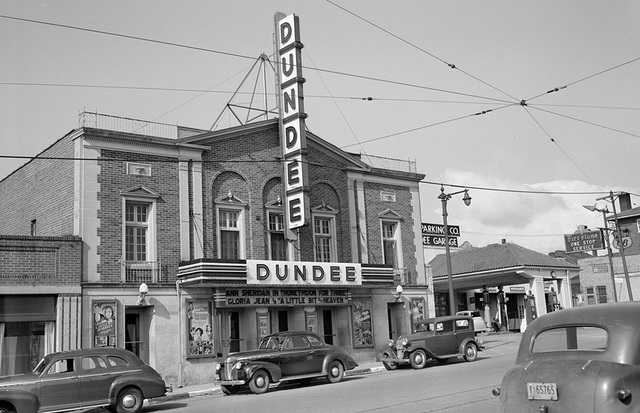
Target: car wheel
<point>259,382</point>
<point>418,359</point>
<point>389,365</point>
<point>228,390</point>
<point>129,400</point>
<point>470,352</point>
<point>335,371</point>
<point>7,408</point>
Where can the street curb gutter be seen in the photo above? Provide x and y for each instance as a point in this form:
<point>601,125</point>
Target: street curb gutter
<point>215,389</point>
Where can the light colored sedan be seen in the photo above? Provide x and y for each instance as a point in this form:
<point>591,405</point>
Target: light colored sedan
<point>582,359</point>
<point>478,322</point>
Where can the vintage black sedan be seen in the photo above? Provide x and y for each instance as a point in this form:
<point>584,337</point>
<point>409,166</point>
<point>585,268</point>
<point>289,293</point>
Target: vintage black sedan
<point>82,379</point>
<point>286,356</point>
<point>438,338</point>
<point>584,359</point>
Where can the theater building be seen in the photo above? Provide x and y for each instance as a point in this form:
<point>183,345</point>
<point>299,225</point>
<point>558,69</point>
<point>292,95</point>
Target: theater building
<point>187,249</point>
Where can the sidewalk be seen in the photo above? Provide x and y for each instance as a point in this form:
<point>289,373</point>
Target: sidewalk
<point>490,340</point>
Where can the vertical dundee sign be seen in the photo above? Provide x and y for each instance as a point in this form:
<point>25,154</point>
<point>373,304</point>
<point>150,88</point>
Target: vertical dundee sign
<point>297,210</point>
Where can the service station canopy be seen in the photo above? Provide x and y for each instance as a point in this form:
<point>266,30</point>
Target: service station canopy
<point>497,264</point>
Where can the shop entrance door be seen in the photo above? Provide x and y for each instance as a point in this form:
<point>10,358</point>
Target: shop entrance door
<point>283,320</point>
<point>136,334</point>
<point>395,316</point>
<point>232,336</point>
<point>327,326</point>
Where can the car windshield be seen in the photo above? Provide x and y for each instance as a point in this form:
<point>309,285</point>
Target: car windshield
<point>271,342</point>
<point>424,327</point>
<point>572,338</point>
<point>39,368</point>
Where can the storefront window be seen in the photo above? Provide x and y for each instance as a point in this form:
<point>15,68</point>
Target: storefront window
<point>200,340</point>
<point>23,344</point>
<point>104,324</point>
<point>362,327</point>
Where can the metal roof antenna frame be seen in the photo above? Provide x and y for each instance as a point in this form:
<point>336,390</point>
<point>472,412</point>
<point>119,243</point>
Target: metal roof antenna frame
<point>250,108</point>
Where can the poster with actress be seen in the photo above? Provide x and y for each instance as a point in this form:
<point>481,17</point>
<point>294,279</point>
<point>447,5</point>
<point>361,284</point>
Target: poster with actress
<point>104,324</point>
<point>200,341</point>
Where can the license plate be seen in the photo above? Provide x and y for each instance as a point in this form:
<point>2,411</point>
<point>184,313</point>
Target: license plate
<point>542,391</point>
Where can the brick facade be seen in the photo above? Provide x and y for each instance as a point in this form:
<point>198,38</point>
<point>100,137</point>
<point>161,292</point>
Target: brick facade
<point>182,181</point>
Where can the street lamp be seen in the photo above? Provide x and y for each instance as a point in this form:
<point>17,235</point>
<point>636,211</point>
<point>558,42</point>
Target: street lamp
<point>444,198</point>
<point>606,230</point>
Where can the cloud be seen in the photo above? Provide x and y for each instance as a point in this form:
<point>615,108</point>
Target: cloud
<point>533,220</point>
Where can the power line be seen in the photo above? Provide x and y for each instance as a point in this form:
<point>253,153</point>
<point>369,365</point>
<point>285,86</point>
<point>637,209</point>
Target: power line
<point>450,65</point>
<point>484,112</point>
<point>587,122</point>
<point>315,164</point>
<point>557,89</point>
<point>558,146</point>
<point>203,49</point>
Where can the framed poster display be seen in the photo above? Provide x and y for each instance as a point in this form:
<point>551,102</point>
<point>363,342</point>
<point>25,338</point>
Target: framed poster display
<point>417,309</point>
<point>200,335</point>
<point>311,321</point>
<point>362,326</point>
<point>264,325</point>
<point>104,324</point>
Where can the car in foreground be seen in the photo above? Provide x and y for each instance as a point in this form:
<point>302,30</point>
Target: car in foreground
<point>82,379</point>
<point>583,359</point>
<point>478,322</point>
<point>439,338</point>
<point>286,356</point>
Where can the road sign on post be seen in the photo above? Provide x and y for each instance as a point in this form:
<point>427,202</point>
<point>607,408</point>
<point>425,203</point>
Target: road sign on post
<point>584,241</point>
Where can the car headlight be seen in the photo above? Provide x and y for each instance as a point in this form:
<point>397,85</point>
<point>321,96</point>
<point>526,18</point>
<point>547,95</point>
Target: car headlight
<point>218,366</point>
<point>404,342</point>
<point>237,365</point>
<point>390,343</point>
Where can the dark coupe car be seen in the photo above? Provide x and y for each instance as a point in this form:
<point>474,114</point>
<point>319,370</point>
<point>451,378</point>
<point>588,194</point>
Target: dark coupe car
<point>286,356</point>
<point>82,379</point>
<point>584,359</point>
<point>439,338</point>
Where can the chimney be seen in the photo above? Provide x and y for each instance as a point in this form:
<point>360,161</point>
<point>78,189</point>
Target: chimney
<point>625,201</point>
<point>504,240</point>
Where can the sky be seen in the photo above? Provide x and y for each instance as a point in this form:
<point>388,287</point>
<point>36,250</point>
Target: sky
<point>465,89</point>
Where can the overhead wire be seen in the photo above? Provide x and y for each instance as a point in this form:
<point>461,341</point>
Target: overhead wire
<point>484,112</point>
<point>450,65</point>
<point>315,164</point>
<point>203,49</point>
<point>359,76</point>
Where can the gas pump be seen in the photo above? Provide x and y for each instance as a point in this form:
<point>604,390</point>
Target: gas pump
<point>502,309</point>
<point>486,306</point>
<point>530,312</point>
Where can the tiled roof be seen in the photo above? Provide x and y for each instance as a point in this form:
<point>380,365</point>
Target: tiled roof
<point>495,257</point>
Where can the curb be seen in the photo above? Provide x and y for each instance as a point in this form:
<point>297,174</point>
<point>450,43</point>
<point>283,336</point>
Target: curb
<point>215,389</point>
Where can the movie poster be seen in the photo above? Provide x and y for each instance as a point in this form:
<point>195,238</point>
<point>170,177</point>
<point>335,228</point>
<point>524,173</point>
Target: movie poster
<point>104,324</point>
<point>417,309</point>
<point>362,327</point>
<point>200,329</point>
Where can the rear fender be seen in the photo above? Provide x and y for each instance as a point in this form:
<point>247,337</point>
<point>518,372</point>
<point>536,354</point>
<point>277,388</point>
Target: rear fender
<point>467,341</point>
<point>23,401</point>
<point>274,371</point>
<point>148,387</point>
